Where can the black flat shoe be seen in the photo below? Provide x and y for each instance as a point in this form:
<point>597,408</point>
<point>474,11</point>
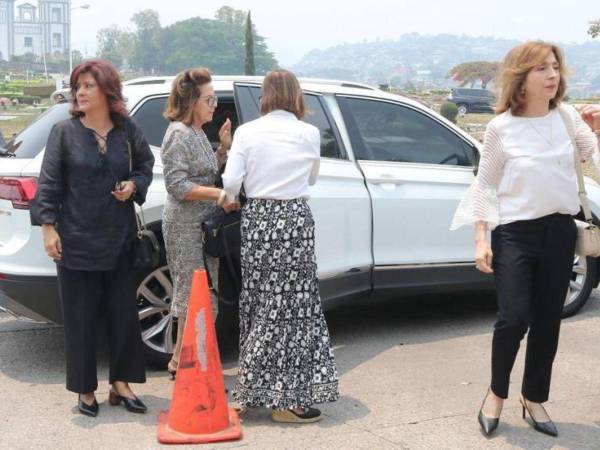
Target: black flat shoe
<point>543,427</point>
<point>87,410</point>
<point>134,405</point>
<point>488,424</point>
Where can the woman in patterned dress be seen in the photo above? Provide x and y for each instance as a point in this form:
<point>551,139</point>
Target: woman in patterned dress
<point>286,362</point>
<point>190,168</point>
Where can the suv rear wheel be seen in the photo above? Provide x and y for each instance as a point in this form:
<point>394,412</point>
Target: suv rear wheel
<point>583,280</point>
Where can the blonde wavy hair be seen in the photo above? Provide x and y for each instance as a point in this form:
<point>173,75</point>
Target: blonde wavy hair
<point>514,70</point>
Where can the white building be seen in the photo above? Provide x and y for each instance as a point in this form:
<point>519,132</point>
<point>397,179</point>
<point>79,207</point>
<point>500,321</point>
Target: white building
<point>26,28</point>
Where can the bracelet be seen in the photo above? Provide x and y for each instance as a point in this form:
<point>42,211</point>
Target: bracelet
<point>221,198</point>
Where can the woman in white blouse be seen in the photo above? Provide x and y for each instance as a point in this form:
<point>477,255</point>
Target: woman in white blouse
<point>286,361</point>
<point>526,193</point>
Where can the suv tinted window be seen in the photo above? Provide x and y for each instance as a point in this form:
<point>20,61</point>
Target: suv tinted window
<point>151,120</point>
<point>249,104</point>
<point>382,131</point>
<point>29,142</point>
<point>315,115</point>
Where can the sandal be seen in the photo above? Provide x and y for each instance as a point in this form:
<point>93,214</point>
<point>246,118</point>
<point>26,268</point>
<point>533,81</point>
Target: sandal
<point>309,415</point>
<point>172,367</point>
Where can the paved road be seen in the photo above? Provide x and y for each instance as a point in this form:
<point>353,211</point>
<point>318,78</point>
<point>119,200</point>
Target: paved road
<point>412,377</point>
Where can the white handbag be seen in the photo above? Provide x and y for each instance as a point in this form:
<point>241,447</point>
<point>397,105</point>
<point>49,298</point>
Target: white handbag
<point>588,234</point>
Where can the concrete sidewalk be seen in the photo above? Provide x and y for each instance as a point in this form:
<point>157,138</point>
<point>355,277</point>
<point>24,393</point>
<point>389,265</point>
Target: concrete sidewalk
<point>412,377</point>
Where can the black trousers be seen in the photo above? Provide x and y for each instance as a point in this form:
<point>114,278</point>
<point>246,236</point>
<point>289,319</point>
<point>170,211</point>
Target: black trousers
<point>532,262</point>
<point>85,297</point>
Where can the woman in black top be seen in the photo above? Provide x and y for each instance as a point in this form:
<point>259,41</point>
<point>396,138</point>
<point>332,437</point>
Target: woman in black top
<point>84,204</point>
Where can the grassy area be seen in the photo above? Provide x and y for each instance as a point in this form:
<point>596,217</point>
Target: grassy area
<point>22,118</point>
<point>22,115</point>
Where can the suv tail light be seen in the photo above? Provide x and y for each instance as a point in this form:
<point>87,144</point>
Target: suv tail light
<point>19,190</point>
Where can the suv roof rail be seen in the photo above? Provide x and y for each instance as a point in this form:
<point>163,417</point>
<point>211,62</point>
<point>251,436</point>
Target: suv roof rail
<point>259,79</point>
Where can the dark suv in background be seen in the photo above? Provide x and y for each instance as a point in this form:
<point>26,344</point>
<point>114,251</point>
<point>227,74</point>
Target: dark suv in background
<point>472,100</point>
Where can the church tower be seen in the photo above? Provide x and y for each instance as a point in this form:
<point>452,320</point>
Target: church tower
<point>7,44</point>
<point>55,17</point>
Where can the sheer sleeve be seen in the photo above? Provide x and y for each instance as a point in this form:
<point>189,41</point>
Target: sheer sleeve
<point>480,202</point>
<point>586,140</point>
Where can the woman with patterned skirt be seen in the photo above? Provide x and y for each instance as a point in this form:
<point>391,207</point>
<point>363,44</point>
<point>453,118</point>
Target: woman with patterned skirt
<point>286,361</point>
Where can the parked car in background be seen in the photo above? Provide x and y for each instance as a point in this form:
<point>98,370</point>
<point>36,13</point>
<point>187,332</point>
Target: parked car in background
<point>64,94</point>
<point>392,174</point>
<point>472,100</point>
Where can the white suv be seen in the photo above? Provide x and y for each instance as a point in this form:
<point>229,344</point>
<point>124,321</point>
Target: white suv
<point>392,174</point>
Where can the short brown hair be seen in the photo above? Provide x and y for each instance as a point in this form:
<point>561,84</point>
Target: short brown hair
<point>281,90</point>
<point>184,93</point>
<point>109,81</point>
<point>515,68</point>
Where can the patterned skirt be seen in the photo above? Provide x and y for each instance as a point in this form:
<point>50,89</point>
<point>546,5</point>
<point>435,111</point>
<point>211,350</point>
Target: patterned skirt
<point>286,359</point>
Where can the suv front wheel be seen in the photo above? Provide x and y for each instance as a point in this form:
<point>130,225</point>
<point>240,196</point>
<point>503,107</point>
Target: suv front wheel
<point>159,327</point>
<point>462,109</point>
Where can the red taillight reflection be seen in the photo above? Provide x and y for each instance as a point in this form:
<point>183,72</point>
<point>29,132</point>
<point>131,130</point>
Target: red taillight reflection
<point>19,190</point>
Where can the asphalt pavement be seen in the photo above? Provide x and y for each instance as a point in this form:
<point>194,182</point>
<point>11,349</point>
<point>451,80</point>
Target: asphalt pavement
<point>413,375</point>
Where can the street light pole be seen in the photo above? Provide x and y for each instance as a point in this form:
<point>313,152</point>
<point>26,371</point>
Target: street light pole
<point>86,6</point>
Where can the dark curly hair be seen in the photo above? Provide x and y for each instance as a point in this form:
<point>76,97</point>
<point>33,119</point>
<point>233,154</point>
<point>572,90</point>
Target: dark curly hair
<point>109,82</point>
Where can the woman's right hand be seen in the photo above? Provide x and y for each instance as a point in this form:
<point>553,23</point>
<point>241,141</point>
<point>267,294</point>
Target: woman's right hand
<point>483,256</point>
<point>52,242</point>
<point>230,206</point>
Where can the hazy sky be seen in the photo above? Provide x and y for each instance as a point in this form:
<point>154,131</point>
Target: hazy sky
<point>294,28</point>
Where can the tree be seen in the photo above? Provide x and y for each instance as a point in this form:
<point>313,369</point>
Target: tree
<point>145,49</point>
<point>211,43</point>
<point>249,68</point>
<point>115,44</point>
<point>229,15</point>
<point>471,72</point>
<point>594,30</point>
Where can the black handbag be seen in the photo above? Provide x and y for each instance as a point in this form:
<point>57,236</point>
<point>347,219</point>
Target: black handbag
<point>222,238</point>
<point>221,235</point>
<point>146,248</point>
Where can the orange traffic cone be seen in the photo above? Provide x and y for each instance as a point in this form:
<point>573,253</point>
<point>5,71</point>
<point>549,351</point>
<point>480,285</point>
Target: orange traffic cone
<point>199,411</point>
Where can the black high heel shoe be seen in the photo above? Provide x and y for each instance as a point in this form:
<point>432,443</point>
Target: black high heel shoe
<point>133,405</point>
<point>87,410</point>
<point>488,424</point>
<point>543,427</point>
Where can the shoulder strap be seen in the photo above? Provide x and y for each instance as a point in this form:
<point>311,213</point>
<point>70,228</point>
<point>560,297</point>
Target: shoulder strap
<point>568,121</point>
<point>127,128</point>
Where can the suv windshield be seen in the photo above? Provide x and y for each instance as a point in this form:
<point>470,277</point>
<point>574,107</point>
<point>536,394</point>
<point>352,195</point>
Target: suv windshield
<point>32,140</point>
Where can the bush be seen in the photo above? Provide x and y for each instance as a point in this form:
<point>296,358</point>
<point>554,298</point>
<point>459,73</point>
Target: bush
<point>22,99</point>
<point>449,110</point>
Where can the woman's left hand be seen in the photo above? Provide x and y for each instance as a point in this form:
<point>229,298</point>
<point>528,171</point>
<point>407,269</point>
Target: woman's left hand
<point>591,115</point>
<point>225,135</point>
<point>126,191</point>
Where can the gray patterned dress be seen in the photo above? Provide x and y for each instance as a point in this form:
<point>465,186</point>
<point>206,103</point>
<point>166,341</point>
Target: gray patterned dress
<point>188,160</point>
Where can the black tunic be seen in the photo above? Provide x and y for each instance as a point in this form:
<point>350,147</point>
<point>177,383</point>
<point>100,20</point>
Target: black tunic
<point>74,192</point>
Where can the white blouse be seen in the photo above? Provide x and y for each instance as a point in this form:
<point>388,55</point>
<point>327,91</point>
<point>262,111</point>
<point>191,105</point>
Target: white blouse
<point>276,157</point>
<point>526,170</point>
